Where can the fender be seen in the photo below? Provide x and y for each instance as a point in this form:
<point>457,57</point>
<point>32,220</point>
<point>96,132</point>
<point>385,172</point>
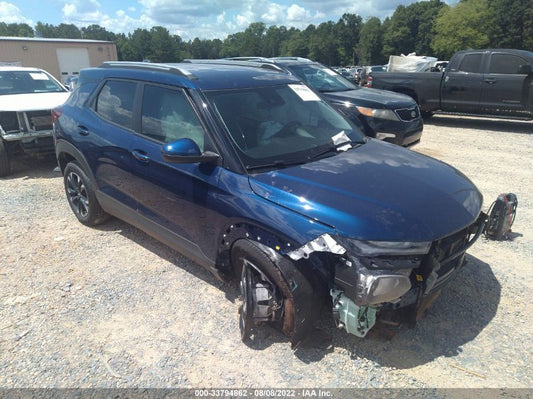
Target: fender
<point>65,152</point>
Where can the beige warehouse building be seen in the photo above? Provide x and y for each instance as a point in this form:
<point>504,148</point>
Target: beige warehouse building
<point>60,57</point>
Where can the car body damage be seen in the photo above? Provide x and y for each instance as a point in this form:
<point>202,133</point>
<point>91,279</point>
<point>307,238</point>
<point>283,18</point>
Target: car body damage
<point>27,96</point>
<point>395,285</point>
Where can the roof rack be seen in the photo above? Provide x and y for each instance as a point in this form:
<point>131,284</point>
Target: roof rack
<point>171,68</point>
<point>300,59</point>
<point>255,62</point>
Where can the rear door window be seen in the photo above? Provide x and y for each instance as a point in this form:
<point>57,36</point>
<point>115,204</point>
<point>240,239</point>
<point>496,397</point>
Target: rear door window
<point>505,63</point>
<point>115,102</point>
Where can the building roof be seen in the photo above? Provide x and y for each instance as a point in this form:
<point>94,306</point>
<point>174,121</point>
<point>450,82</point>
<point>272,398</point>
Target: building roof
<point>45,39</point>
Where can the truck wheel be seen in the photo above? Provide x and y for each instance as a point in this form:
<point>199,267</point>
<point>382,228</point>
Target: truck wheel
<point>81,197</point>
<point>266,296</point>
<point>5,167</point>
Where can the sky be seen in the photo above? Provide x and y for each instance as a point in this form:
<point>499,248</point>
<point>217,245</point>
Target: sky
<point>205,19</point>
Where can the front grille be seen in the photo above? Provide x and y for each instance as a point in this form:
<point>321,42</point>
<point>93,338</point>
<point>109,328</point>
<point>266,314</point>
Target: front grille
<point>447,251</point>
<point>407,114</point>
<point>447,254</point>
<point>40,120</point>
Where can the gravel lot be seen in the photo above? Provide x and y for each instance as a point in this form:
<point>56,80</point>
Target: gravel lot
<point>111,307</point>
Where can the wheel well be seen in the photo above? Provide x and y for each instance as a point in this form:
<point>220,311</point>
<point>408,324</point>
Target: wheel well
<point>63,159</point>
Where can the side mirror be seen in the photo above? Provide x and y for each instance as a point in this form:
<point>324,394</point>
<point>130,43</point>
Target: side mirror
<point>187,151</point>
<point>525,69</point>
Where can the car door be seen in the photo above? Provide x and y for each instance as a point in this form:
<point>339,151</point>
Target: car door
<point>462,86</point>
<point>176,201</point>
<point>109,129</point>
<point>503,84</point>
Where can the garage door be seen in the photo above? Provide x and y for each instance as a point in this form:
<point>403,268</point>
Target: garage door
<point>71,60</point>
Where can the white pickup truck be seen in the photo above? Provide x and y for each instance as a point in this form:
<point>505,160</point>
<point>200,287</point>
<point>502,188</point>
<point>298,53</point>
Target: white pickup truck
<point>27,96</point>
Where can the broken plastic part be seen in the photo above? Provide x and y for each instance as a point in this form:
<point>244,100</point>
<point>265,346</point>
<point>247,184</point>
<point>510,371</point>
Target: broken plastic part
<point>323,243</point>
<point>354,319</point>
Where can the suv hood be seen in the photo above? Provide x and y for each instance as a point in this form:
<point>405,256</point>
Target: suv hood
<point>32,101</point>
<point>377,191</point>
<point>372,98</point>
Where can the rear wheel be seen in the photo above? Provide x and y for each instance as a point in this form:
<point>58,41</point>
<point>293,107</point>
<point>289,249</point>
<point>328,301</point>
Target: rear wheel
<point>81,197</point>
<point>266,296</point>
<point>5,167</point>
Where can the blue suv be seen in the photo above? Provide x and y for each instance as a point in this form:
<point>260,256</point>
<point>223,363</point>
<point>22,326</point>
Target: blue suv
<point>248,172</point>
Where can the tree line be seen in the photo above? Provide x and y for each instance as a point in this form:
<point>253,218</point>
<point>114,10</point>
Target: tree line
<point>425,27</point>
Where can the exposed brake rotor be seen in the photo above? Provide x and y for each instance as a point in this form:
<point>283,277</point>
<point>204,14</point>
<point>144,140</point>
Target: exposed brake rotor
<point>260,301</point>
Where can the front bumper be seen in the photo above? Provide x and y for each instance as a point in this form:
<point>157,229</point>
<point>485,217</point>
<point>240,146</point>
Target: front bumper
<point>399,293</point>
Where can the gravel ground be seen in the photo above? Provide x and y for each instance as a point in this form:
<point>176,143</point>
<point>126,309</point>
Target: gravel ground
<point>111,307</point>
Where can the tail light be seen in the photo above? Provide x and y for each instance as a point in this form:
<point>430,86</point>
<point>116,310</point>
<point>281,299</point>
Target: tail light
<point>369,81</point>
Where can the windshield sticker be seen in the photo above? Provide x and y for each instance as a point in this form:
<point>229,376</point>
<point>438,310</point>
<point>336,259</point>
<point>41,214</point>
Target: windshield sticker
<point>39,76</point>
<point>341,138</point>
<point>304,93</point>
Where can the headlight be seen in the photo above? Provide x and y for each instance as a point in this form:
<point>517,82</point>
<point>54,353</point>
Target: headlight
<point>376,248</point>
<point>378,113</point>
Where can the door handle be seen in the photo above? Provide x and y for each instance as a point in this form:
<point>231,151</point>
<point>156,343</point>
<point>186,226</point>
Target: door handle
<point>490,81</point>
<point>82,130</point>
<point>140,156</point>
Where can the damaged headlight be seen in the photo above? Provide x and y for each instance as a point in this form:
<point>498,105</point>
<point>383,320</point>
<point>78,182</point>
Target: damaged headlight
<point>380,270</point>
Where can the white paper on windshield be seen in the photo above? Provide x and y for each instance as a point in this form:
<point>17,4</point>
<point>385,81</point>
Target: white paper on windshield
<point>39,76</point>
<point>330,72</point>
<point>340,138</point>
<point>304,92</point>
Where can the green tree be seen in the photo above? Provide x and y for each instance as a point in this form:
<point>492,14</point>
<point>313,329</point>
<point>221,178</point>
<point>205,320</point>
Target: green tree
<point>96,32</point>
<point>371,43</point>
<point>462,26</point>
<point>513,23</point>
<point>163,46</point>
<point>68,31</point>
<point>348,31</point>
<point>411,28</point>
<point>297,44</point>
<point>141,45</point>
<point>45,30</point>
<point>15,29</point>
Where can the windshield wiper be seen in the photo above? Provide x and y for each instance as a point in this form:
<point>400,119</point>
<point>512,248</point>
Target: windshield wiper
<point>278,164</point>
<point>334,148</point>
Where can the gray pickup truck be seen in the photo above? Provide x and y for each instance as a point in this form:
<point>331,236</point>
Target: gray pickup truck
<point>496,82</point>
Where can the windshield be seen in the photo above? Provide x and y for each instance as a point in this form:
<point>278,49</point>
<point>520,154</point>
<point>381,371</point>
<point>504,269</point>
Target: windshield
<point>280,124</point>
<point>22,82</point>
<point>321,78</point>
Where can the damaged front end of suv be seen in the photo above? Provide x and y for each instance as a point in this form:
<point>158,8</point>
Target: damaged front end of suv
<point>393,282</point>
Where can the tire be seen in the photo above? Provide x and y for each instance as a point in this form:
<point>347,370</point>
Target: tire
<point>80,196</point>
<point>257,272</point>
<point>5,167</point>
